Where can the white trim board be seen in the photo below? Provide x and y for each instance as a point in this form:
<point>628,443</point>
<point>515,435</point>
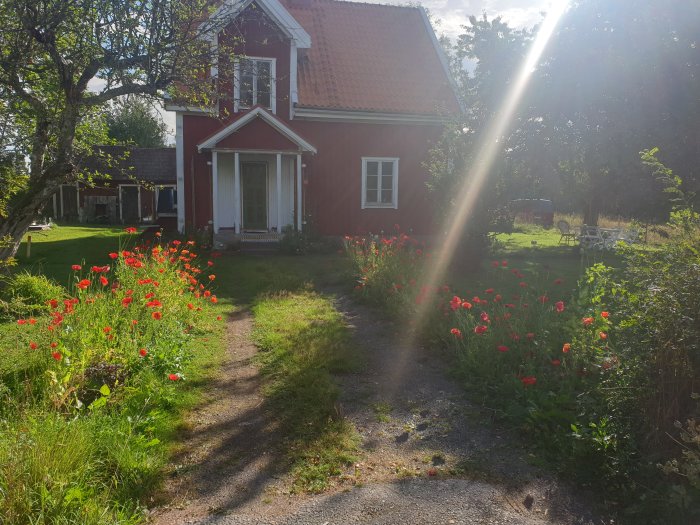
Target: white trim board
<point>257,112</point>
<point>394,204</point>
<point>275,10</point>
<point>367,116</point>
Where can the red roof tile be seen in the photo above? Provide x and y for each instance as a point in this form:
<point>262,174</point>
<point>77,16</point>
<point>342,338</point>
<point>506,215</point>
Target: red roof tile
<point>369,57</point>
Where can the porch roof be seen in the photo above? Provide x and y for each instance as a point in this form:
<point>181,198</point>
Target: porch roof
<point>271,121</point>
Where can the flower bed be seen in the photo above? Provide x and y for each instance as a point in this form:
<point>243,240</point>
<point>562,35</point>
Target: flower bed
<point>89,391</point>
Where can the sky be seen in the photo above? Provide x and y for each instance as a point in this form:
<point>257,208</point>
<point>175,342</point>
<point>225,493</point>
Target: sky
<point>449,16</point>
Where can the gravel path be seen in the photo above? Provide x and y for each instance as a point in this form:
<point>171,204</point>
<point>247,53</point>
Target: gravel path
<point>428,455</point>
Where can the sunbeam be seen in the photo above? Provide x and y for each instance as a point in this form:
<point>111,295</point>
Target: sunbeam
<point>477,174</point>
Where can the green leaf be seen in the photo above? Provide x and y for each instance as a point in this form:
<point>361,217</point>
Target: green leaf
<point>105,391</point>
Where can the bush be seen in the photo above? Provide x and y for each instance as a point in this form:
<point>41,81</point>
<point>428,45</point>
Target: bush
<point>26,294</point>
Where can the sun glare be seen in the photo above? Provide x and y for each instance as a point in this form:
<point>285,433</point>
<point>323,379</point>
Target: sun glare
<point>478,173</point>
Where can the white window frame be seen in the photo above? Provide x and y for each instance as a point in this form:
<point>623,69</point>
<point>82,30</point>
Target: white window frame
<point>394,187</point>
<point>158,188</point>
<point>237,83</point>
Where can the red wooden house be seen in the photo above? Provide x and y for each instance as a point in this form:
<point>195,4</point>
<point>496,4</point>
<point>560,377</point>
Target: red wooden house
<point>326,115</point>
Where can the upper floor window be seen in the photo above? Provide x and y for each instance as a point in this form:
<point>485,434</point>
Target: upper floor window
<point>380,182</point>
<point>254,83</point>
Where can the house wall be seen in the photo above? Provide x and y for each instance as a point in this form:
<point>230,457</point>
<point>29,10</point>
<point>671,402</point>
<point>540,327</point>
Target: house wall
<point>334,175</point>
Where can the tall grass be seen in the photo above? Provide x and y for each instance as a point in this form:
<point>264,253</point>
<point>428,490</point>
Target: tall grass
<point>87,389</point>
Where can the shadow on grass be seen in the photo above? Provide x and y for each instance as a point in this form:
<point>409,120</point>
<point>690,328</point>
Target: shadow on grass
<point>54,251</point>
<point>295,427</point>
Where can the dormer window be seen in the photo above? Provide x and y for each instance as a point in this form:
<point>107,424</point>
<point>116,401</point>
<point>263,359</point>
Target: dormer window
<point>254,83</point>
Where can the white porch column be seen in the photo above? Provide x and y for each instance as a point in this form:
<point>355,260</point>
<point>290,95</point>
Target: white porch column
<point>299,185</point>
<point>279,192</point>
<point>215,190</point>
<point>237,191</point>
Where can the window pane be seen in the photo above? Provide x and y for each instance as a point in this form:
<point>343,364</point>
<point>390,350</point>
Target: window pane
<point>386,197</point>
<point>264,83</point>
<point>387,182</point>
<point>167,200</point>
<point>372,182</point>
<point>371,196</point>
<point>372,168</point>
<point>246,90</point>
<point>387,168</point>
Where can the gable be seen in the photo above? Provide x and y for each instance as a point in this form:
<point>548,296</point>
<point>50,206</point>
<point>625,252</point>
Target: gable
<point>257,130</point>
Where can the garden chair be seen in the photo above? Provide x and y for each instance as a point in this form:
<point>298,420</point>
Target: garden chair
<point>567,233</point>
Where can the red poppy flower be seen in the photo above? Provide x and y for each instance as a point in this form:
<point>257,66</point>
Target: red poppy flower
<point>558,281</point>
<point>556,362</point>
<point>54,344</point>
<point>530,336</point>
<point>210,263</point>
<point>559,305</point>
<point>455,303</point>
<point>56,355</point>
<point>543,299</point>
<point>157,316</point>
<point>21,321</point>
<point>103,280</point>
<point>603,335</point>
<point>498,298</point>
<point>504,263</point>
<point>177,243</point>
<point>190,306</point>
<point>485,317</point>
<point>107,329</point>
<point>212,277</point>
<point>149,295</point>
<point>502,348</point>
<point>76,267</point>
<point>566,348</point>
<point>113,255</point>
<point>522,285</point>
<point>130,229</point>
<point>218,318</point>
<point>84,284</point>
<point>605,315</point>
<point>495,264</point>
<point>33,345</point>
<point>489,290</point>
<point>53,303</point>
<point>467,305</point>
<point>143,352</point>
<point>456,332</point>
<point>155,303</point>
<point>515,337</point>
<point>528,380</point>
<point>587,321</point>
<point>480,329</point>
<point>134,322</point>
<point>127,301</point>
<point>174,377</point>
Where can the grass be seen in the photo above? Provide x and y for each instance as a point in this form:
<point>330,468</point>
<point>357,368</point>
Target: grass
<point>304,340</point>
<point>99,466</point>
<point>54,251</point>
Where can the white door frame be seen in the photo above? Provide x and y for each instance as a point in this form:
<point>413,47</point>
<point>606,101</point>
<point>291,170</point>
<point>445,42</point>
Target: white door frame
<point>121,207</point>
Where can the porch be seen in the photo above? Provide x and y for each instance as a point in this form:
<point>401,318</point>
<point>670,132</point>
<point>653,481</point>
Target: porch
<point>256,196</point>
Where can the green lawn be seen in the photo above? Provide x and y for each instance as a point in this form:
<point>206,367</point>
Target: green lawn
<point>54,251</point>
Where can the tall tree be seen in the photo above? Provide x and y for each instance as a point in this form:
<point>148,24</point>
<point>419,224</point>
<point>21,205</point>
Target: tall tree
<point>60,62</point>
<point>134,122</point>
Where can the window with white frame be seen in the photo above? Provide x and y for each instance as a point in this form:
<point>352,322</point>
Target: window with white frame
<point>380,182</point>
<point>166,201</point>
<point>255,83</point>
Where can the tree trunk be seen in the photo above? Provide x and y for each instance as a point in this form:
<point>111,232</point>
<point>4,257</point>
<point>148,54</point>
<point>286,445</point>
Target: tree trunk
<point>16,224</point>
